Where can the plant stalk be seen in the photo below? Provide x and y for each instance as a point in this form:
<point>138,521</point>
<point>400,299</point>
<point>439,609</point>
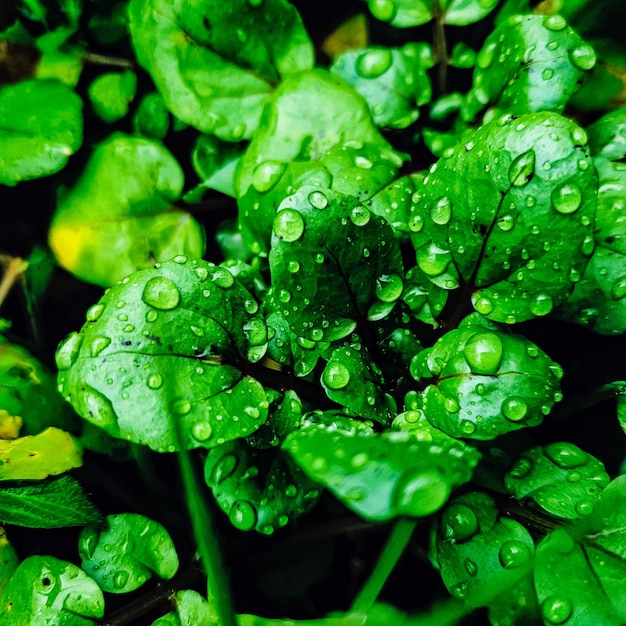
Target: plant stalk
<point>396,543</point>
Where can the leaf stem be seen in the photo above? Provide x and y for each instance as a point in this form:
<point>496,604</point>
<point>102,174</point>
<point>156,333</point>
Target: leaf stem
<point>396,543</point>
<point>440,46</point>
<point>94,58</point>
<point>14,268</point>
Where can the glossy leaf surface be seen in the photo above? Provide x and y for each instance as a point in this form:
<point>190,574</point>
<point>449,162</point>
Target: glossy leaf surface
<point>118,217</point>
<point>191,609</point>
<point>510,211</point>
<point>382,476</point>
<point>164,350</point>
<point>45,591</point>
<point>41,126</point>
<point>125,554</point>
<point>481,382</point>
<point>559,478</point>
<point>216,63</point>
<point>349,283</point>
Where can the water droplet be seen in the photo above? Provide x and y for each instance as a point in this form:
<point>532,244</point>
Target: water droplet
<point>223,278</point>
<point>432,259</point>
<point>416,223</point>
<point>588,246</point>
<point>120,578</point>
<point>521,468</point>
<point>373,63</point>
<point>318,200</point>
<point>359,460</point>
<point>483,353</point>
<point>566,198</point>
<point>98,344</point>
<point>470,567</point>
<point>288,225</point>
<point>180,406</point>
<point>389,287</point>
<point>485,57</point>
<point>584,507</point>
<point>360,216</point>
<point>579,138</point>
<point>201,431</point>
<point>618,289</point>
<point>506,223</point>
<point>541,305</point>
<point>467,427</point>
<point>335,375</point>
<point>291,491</point>
<point>514,408</point>
<point>161,293</point>
<point>284,296</point>
<point>556,609</point>
<point>420,493</point>
<point>243,515</point>
<point>583,57</point>
<point>514,554</point>
<point>155,381</point>
<point>67,353</point>
<point>441,212</point>
<point>98,408</point>
<point>94,312</point>
<point>565,455</point>
<point>293,267</point>
<point>382,10</point>
<point>522,169</point>
<point>223,469</point>
<point>547,74</point>
<point>151,315</point>
<point>483,305</point>
<point>458,523</point>
<point>554,22</point>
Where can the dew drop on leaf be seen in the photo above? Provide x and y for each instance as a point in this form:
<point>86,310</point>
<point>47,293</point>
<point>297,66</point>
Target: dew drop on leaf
<point>554,22</point>
<point>565,455</point>
<point>441,211</point>
<point>514,408</point>
<point>202,431</point>
<point>522,169</point>
<point>618,289</point>
<point>470,566</point>
<point>151,316</point>
<point>458,523</point>
<point>513,554</point>
<point>468,427</point>
<point>161,293</point>
<point>389,287</point>
<point>483,353</point>
<point>432,259</point>
<point>155,381</point>
<point>223,468</point>
<point>94,312</point>
<point>120,578</point>
<point>360,216</point>
<point>541,305</point>
<point>336,375</point>
<point>521,468</point>
<point>583,57</point>
<point>566,198</point>
<point>180,406</point>
<point>243,515</point>
<point>67,352</point>
<point>374,63</point>
<point>556,609</point>
<point>483,305</point>
<point>420,493</point>
<point>223,278</point>
<point>584,507</point>
<point>98,344</point>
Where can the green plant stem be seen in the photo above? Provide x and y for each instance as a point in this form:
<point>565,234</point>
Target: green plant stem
<point>14,268</point>
<point>440,46</point>
<point>396,543</point>
<point>218,591</point>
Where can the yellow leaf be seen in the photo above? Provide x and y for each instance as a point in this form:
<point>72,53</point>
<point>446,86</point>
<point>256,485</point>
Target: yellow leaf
<point>9,425</point>
<point>351,34</point>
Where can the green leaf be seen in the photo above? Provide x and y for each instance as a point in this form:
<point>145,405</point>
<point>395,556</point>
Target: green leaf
<point>48,453</point>
<point>529,63</point>
<point>464,12</point>
<point>54,503</point>
<point>52,14</point>
<point>28,390</point>
<point>169,346</point>
<point>382,476</point>
<point>125,554</point>
<point>8,561</point>
<point>350,284</point>
<point>111,93</point>
<point>45,591</point>
<point>559,478</point>
<point>151,117</point>
<point>402,13</point>
<point>119,217</point>
<point>309,115</point>
<point>215,63</point>
<point>607,136</point>
<point>391,80</point>
<point>258,489</point>
<point>480,554</point>
<point>41,126</point>
<point>480,382</point>
<point>191,610</point>
<point>511,212</point>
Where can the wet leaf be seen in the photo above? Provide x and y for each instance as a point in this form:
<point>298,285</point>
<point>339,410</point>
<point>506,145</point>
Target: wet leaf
<point>510,211</point>
<point>559,478</point>
<point>402,13</point>
<point>392,81</point>
<point>382,476</point>
<point>216,63</point>
<point>480,554</point>
<point>119,216</point>
<point>349,284</point>
<point>54,503</point>
<point>464,12</point>
<point>8,561</point>
<point>480,382</point>
<point>191,609</point>
<point>258,489</point>
<point>166,350</point>
<point>35,457</point>
<point>529,63</point>
<point>41,126</point>
<point>125,554</point>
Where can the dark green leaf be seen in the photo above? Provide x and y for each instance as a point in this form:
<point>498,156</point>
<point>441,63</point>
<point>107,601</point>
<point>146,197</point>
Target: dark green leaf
<point>402,13</point>
<point>124,555</point>
<point>55,503</point>
<point>349,284</point>
<point>480,382</point>
<point>215,63</point>
<point>151,117</point>
<point>559,478</point>
<point>165,351</point>
<point>41,126</point>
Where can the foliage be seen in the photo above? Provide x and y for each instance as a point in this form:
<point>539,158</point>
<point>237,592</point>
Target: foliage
<point>330,280</point>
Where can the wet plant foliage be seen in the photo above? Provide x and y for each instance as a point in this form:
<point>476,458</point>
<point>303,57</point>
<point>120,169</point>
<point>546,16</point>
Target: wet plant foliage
<point>312,313</point>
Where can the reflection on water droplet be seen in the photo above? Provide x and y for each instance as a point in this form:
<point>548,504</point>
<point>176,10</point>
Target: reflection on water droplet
<point>483,353</point>
<point>389,287</point>
<point>98,344</point>
<point>335,375</point>
<point>94,312</point>
<point>556,609</point>
<point>288,225</point>
<point>583,57</point>
<point>432,259</point>
<point>161,293</point>
<point>483,304</point>
<point>120,578</point>
<point>441,211</point>
<point>318,200</point>
<point>360,216</point>
<point>541,305</point>
<point>67,353</point>
<point>155,381</point>
<point>566,198</point>
<point>201,431</point>
<point>223,278</point>
<point>470,567</point>
<point>458,524</point>
<point>547,74</point>
<point>223,469</point>
<point>514,554</point>
<point>243,515</point>
<point>522,169</point>
<point>514,408</point>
